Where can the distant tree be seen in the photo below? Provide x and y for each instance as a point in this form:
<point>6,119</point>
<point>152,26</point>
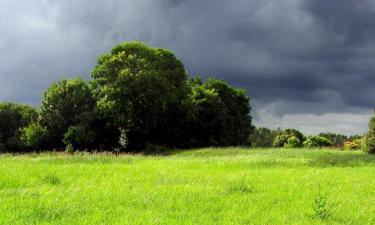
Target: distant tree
<point>65,104</point>
<point>368,143</point>
<point>144,91</point>
<point>13,117</point>
<point>282,137</point>
<point>336,139</point>
<point>317,142</point>
<point>262,137</point>
<point>222,114</point>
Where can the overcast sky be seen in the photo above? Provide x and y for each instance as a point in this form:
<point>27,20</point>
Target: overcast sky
<point>307,64</point>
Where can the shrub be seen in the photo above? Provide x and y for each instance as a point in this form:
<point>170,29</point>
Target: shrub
<point>282,137</point>
<point>292,142</point>
<point>317,142</point>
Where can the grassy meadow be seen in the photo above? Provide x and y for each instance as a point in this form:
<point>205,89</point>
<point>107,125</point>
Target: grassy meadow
<point>204,186</point>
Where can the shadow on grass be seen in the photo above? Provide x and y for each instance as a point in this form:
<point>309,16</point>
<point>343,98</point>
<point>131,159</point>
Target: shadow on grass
<point>342,160</point>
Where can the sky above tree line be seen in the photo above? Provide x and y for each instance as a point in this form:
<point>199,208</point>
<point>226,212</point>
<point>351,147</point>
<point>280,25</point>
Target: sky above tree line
<point>306,64</point>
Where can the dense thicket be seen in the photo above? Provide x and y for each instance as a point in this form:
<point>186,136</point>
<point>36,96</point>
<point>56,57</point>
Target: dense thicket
<point>138,96</point>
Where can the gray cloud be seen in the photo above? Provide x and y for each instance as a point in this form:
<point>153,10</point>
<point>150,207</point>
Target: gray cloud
<point>295,57</point>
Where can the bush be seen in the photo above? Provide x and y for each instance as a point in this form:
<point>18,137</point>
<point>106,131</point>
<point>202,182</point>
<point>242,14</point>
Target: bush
<point>282,137</point>
<point>292,142</point>
<point>317,142</point>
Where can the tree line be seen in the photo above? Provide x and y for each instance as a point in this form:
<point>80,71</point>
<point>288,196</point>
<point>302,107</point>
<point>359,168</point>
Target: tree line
<point>138,97</point>
<point>141,98</point>
<point>292,138</point>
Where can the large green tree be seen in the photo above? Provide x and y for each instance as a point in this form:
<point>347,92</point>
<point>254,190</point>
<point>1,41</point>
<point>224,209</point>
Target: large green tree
<point>222,114</point>
<point>66,104</point>
<point>143,90</point>
<point>12,118</point>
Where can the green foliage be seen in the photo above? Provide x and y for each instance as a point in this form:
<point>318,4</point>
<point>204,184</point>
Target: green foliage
<point>262,137</point>
<point>292,142</point>
<point>355,144</point>
<point>337,140</point>
<point>368,144</point>
<point>34,136</point>
<point>143,90</point>
<point>282,137</point>
<point>317,142</point>
<point>80,137</point>
<point>12,118</point>
<point>221,114</point>
<point>66,103</point>
<point>280,140</point>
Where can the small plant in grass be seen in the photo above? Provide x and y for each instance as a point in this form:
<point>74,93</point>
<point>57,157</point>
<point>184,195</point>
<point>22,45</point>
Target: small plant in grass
<point>52,179</point>
<point>241,188</point>
<point>321,210</point>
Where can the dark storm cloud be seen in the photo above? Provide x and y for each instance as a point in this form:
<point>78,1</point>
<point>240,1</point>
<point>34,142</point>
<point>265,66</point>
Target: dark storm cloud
<point>293,56</point>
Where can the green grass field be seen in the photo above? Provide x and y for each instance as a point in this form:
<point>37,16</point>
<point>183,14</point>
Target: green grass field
<point>205,186</point>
